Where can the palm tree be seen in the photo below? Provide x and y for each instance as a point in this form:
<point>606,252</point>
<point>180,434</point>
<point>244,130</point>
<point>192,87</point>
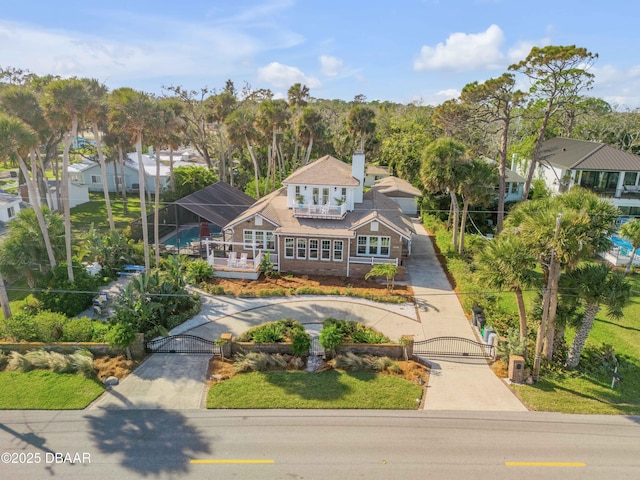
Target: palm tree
<point>133,112</point>
<point>360,122</point>
<point>16,137</point>
<point>272,117</point>
<point>562,231</point>
<point>477,184</point>
<point>631,231</point>
<point>308,126</point>
<point>442,163</point>
<point>506,263</point>
<point>4,300</point>
<point>596,285</point>
<point>387,270</point>
<point>65,101</point>
<point>242,132</point>
<point>96,115</point>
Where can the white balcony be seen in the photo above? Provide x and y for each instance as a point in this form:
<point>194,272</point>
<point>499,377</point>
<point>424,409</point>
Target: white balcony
<point>328,211</point>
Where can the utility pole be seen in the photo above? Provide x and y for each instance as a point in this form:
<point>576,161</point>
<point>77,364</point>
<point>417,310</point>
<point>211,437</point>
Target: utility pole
<point>542,330</point>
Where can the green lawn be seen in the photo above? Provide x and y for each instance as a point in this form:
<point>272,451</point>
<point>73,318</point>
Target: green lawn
<point>95,211</point>
<point>330,389</point>
<point>593,393</point>
<point>45,390</point>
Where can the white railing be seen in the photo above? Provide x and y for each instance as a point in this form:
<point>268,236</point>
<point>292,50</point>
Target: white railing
<point>373,260</point>
<point>319,211</point>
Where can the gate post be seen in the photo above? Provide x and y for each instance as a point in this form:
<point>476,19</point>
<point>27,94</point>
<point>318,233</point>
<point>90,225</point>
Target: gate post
<point>407,342</point>
<point>225,345</point>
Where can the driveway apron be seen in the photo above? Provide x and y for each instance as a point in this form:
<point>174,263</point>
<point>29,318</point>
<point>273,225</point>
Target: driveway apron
<point>454,383</point>
<point>172,381</point>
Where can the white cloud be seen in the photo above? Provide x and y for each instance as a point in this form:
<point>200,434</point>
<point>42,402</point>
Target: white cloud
<point>521,49</point>
<point>464,51</point>
<point>619,87</point>
<point>331,66</point>
<point>283,76</point>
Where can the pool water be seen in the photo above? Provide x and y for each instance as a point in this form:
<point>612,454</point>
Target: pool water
<point>184,237</point>
<point>625,246</point>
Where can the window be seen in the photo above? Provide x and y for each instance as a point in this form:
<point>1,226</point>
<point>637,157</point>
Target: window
<point>313,249</point>
<point>258,221</point>
<point>288,247</point>
<point>374,246</point>
<point>95,179</point>
<point>11,212</point>
<point>325,196</point>
<point>630,178</point>
<point>338,246</point>
<point>262,239</point>
<point>344,195</point>
<point>374,226</point>
<point>301,248</point>
<point>326,250</point>
<point>74,177</point>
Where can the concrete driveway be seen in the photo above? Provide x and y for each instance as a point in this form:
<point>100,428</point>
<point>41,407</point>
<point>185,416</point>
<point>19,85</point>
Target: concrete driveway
<point>171,381</point>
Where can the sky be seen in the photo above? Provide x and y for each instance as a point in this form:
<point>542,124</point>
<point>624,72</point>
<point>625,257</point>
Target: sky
<point>422,51</point>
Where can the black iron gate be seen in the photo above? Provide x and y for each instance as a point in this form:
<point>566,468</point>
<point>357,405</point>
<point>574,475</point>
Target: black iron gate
<point>452,347</point>
<point>182,344</point>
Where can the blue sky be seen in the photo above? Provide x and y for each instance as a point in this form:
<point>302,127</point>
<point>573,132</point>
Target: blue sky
<point>402,50</point>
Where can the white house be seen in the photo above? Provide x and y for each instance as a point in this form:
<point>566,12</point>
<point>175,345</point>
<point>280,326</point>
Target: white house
<point>401,192</point>
<point>9,206</point>
<point>611,173</point>
<point>88,172</point>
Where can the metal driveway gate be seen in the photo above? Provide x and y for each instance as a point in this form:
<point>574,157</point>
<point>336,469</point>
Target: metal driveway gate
<point>452,347</point>
<point>182,344</point>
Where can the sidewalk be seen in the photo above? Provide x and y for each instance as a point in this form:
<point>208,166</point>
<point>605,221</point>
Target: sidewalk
<point>454,383</point>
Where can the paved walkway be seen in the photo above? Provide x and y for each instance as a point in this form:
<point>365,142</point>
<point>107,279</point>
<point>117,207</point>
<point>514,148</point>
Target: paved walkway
<point>454,384</point>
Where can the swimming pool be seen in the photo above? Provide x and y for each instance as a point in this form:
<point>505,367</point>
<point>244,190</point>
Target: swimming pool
<point>625,246</point>
<point>184,237</point>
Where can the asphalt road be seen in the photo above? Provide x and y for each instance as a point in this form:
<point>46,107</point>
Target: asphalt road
<point>108,444</point>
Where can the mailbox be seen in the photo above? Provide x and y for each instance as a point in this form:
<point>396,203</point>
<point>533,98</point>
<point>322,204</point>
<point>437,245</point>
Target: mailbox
<point>516,368</point>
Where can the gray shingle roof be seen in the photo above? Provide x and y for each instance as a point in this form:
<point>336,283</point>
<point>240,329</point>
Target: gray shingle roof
<point>326,170</point>
<point>218,203</point>
<point>396,187</point>
<point>584,155</point>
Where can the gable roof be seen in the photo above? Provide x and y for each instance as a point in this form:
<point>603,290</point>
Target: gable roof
<point>326,170</point>
<point>395,186</point>
<point>218,203</point>
<point>584,155</point>
<point>377,170</point>
<point>375,206</point>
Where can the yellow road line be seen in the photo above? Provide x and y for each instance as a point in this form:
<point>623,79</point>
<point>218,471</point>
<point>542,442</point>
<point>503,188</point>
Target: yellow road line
<point>229,461</point>
<point>545,464</point>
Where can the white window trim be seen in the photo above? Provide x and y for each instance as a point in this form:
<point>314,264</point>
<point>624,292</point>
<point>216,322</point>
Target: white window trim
<point>322,250</point>
<point>301,241</point>
<point>338,242</point>
<point>317,249</point>
<point>368,244</point>
<point>265,239</point>
<point>293,247</point>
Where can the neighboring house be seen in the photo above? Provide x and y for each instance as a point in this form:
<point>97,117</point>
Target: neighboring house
<point>603,169</point>
<point>374,173</point>
<point>401,192</point>
<point>88,173</point>
<point>320,222</point>
<point>78,194</point>
<point>514,182</point>
<point>9,206</point>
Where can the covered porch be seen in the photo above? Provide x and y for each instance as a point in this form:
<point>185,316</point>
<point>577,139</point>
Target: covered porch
<point>230,261</point>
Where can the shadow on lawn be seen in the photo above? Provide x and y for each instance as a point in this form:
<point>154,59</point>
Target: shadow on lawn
<point>323,386</point>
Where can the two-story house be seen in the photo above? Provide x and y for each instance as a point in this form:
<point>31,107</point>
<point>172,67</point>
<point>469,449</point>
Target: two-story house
<point>611,173</point>
<point>320,222</point>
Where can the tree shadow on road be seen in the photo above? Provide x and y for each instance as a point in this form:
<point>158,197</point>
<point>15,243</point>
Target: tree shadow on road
<point>149,442</point>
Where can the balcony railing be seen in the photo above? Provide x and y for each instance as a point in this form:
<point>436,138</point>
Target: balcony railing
<point>373,260</point>
<point>309,210</point>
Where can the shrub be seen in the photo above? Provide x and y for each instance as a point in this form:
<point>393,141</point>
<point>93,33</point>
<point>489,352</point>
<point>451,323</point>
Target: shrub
<point>271,292</point>
<point>354,332</point>
<point>49,325</point>
<point>273,332</point>
<point>40,359</point>
<point>301,342</point>
<point>331,337</point>
<point>371,363</point>
<point>19,363</point>
<point>20,327</point>
<point>60,363</point>
<point>251,362</point>
<point>270,333</point>
<point>4,359</point>
<point>309,291</point>
<point>368,335</point>
<point>199,271</point>
<point>100,331</point>
<point>78,330</point>
<point>83,363</point>
<point>60,295</point>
